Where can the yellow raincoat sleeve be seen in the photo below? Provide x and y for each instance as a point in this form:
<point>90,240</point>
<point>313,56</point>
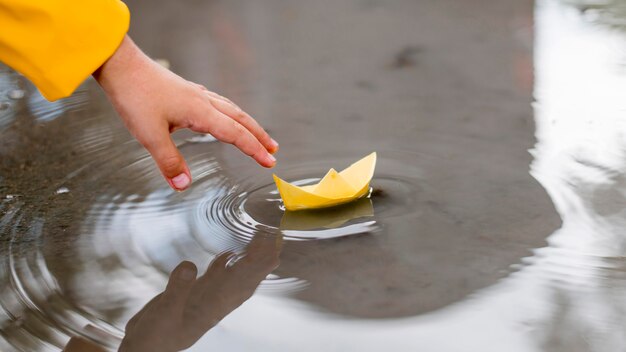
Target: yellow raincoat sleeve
<point>57,44</point>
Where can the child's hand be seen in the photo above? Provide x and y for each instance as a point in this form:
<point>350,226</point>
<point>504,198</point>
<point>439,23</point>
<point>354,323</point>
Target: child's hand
<point>154,102</point>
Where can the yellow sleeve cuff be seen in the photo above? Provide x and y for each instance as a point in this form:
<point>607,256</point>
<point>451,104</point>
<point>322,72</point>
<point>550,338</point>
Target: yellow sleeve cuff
<point>57,44</point>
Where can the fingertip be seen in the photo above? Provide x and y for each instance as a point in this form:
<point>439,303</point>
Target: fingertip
<point>180,182</point>
<point>222,259</point>
<point>273,147</point>
<point>168,159</point>
<point>270,161</point>
<point>186,271</point>
<point>181,281</point>
<point>182,275</point>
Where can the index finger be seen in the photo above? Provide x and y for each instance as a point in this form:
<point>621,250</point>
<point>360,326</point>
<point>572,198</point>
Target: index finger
<point>233,111</point>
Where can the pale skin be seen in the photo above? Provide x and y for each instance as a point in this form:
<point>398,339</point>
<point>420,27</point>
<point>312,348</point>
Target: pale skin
<point>153,102</point>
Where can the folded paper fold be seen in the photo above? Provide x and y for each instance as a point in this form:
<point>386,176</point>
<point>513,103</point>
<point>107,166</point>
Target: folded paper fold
<point>334,189</point>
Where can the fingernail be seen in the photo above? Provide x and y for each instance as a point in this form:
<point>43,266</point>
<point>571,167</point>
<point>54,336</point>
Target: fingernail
<point>274,145</point>
<point>181,181</point>
<point>187,274</point>
<point>272,158</point>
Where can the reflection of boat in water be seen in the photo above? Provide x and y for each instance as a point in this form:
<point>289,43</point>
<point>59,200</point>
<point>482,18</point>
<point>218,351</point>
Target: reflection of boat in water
<point>326,218</point>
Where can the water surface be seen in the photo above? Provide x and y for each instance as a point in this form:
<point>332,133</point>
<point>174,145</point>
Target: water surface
<point>494,222</point>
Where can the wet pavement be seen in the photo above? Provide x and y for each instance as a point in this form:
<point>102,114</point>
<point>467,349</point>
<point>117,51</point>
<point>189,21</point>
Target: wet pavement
<point>494,224</point>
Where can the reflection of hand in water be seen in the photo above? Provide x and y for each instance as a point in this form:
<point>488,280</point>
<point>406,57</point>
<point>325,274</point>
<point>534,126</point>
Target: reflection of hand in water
<point>176,318</point>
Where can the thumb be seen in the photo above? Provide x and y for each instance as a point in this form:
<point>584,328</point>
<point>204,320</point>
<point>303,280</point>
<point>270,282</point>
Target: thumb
<point>179,285</point>
<point>170,161</point>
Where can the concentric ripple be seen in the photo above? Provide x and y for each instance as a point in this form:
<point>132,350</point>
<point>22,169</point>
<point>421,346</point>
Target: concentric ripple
<point>220,214</point>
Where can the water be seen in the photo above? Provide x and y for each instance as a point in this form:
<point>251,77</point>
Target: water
<point>494,223</point>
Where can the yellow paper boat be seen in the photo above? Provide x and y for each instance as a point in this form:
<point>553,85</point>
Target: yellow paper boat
<point>334,189</point>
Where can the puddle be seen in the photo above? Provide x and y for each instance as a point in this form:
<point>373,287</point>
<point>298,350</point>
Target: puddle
<point>464,233</point>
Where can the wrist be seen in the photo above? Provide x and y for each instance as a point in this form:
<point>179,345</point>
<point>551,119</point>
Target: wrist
<point>120,67</point>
